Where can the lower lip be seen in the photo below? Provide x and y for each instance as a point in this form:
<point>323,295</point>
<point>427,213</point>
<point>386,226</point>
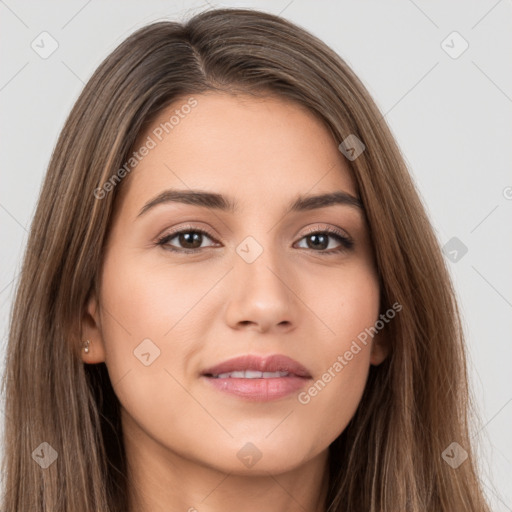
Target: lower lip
<point>260,390</point>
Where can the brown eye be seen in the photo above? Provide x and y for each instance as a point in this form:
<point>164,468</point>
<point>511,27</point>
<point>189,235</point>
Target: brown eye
<point>187,240</point>
<point>318,241</point>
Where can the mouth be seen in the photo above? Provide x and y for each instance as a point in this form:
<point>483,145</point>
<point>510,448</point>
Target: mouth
<point>258,378</point>
<point>250,374</point>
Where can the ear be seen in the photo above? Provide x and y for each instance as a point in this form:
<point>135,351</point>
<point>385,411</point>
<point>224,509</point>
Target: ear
<point>380,347</point>
<point>91,330</point>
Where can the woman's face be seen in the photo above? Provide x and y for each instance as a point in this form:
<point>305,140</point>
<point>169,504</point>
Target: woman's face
<point>266,279</point>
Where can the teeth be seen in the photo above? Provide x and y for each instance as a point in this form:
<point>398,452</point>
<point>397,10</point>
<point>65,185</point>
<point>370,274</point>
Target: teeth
<point>270,375</point>
<point>251,374</point>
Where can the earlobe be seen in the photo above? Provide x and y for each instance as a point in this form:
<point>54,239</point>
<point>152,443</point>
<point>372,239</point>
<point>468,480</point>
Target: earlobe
<point>379,349</point>
<point>92,346</point>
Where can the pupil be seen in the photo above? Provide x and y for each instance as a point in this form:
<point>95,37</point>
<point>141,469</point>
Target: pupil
<point>187,238</point>
<point>316,238</point>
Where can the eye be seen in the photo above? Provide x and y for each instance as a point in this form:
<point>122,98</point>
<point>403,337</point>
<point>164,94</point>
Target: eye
<point>317,239</point>
<point>190,238</point>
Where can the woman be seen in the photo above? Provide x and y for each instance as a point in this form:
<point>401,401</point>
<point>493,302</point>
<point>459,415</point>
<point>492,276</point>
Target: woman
<point>308,357</point>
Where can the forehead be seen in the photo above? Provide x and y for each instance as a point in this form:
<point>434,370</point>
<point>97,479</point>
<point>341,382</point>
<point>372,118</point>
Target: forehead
<point>259,150</point>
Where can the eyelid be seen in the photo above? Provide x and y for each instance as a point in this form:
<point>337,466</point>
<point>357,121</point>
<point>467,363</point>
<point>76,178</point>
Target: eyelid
<point>329,229</point>
<point>185,228</point>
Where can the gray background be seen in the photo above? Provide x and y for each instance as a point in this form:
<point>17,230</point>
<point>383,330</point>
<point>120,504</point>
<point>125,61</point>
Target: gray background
<point>451,117</point>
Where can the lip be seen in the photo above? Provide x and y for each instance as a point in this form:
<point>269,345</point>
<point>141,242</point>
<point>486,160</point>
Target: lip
<point>259,389</point>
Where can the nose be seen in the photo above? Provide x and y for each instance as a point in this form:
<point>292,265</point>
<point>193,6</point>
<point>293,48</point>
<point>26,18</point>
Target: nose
<point>261,295</point>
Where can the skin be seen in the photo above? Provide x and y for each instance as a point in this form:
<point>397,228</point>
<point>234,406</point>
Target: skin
<point>181,435</point>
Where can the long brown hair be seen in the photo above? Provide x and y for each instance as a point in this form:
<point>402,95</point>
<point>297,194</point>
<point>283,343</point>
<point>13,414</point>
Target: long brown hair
<point>415,404</point>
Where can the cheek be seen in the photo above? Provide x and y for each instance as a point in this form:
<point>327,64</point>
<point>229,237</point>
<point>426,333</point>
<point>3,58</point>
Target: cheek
<point>351,308</point>
<point>153,322</point>
<point>359,304</point>
<point>346,302</point>
<point>146,326</point>
<point>151,301</point>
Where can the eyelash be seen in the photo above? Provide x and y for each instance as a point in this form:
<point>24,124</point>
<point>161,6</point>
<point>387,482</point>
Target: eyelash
<point>346,243</point>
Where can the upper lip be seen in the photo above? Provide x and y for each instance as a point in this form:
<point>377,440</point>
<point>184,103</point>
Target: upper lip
<point>272,363</point>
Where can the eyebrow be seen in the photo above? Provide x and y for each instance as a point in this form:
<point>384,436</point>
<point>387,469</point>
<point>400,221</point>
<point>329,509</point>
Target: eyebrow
<point>214,201</point>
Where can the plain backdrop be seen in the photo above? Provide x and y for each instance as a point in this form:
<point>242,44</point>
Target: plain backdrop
<point>446,96</point>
